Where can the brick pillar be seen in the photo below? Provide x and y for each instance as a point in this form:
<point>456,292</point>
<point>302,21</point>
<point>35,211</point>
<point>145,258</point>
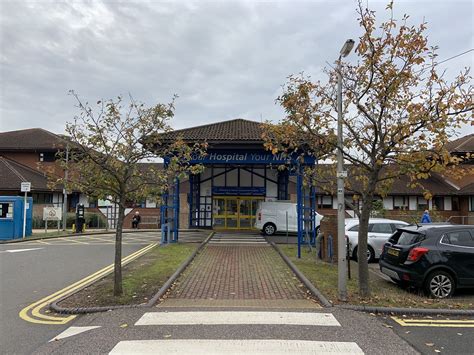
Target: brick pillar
<point>183,211</point>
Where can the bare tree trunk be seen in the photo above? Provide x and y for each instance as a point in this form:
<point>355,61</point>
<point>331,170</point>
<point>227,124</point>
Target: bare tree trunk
<point>118,253</point>
<point>362,262</point>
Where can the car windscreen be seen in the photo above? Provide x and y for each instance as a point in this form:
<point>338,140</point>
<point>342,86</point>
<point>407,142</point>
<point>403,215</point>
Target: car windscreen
<point>408,238</point>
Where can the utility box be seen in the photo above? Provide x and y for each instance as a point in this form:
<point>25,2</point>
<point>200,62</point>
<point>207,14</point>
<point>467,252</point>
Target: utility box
<point>80,218</point>
<point>11,217</point>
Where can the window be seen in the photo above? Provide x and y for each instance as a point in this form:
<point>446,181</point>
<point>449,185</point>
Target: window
<point>354,229</point>
<point>422,204</point>
<point>381,228</point>
<point>400,202</point>
<point>324,201</point>
<point>461,238</point>
<point>471,203</point>
<point>438,203</point>
<point>47,156</point>
<point>408,238</point>
<point>397,225</point>
<point>6,210</point>
<point>455,203</point>
<point>42,198</point>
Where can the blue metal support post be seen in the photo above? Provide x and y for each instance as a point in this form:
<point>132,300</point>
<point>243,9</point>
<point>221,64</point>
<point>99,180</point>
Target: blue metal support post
<point>299,207</point>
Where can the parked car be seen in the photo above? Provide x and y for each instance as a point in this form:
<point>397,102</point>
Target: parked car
<point>271,217</point>
<point>437,258</point>
<point>380,229</point>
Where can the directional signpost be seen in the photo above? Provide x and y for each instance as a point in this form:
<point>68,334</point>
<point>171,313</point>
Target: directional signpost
<point>25,187</point>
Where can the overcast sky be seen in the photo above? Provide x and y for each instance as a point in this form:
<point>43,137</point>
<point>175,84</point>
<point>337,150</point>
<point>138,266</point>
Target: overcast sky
<point>225,59</point>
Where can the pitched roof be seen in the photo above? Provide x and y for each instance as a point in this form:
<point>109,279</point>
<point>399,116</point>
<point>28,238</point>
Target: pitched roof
<point>462,145</point>
<point>435,184</point>
<point>226,131</point>
<point>467,190</point>
<point>12,174</point>
<point>30,139</point>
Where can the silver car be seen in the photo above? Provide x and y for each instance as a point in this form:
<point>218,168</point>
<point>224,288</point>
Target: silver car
<point>380,230</point>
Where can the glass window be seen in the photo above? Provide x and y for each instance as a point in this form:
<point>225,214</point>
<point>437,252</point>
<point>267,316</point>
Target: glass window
<point>471,204</point>
<point>381,228</point>
<point>461,238</point>
<point>438,203</point>
<point>400,202</point>
<point>355,228</point>
<point>407,238</point>
<point>6,210</point>
<point>422,204</point>
<point>40,198</point>
<point>47,157</point>
<point>455,203</point>
<point>324,201</point>
<point>397,225</point>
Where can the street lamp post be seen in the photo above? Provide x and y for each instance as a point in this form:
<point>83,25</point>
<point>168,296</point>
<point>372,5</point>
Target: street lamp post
<point>64,189</point>
<point>341,174</point>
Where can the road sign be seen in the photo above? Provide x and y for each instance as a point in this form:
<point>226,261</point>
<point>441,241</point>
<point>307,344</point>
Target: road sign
<point>342,174</point>
<point>25,186</point>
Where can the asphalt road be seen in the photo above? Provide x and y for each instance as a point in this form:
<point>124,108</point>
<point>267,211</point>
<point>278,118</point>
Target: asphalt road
<point>437,334</point>
<point>361,330</point>
<point>48,266</point>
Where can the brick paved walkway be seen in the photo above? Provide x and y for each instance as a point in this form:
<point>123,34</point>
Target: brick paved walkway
<point>238,273</point>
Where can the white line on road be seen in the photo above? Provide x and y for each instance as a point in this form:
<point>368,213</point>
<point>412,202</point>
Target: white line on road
<point>69,332</point>
<point>230,347</point>
<point>189,318</point>
<point>18,250</point>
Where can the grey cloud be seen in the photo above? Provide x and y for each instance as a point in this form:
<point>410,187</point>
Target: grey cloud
<point>224,59</point>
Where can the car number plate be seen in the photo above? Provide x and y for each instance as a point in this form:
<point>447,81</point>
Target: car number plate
<point>394,252</point>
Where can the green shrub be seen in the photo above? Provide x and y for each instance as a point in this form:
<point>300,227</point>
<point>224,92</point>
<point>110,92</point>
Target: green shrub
<point>93,220</point>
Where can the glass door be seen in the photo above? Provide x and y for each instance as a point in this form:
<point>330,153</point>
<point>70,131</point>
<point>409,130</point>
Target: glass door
<point>235,212</point>
<point>218,211</point>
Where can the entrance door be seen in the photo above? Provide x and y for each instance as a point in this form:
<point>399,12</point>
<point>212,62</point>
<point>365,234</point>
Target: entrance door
<point>234,212</point>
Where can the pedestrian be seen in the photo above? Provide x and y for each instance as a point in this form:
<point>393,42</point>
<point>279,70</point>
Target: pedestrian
<point>136,220</point>
<point>426,217</point>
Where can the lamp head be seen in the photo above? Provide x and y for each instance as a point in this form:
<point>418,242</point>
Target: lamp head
<point>347,47</point>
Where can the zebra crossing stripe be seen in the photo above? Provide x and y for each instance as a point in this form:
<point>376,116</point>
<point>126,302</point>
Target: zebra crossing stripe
<point>233,347</point>
<point>229,317</point>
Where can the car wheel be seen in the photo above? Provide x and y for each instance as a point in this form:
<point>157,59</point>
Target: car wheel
<point>370,254</point>
<point>269,229</point>
<point>440,284</point>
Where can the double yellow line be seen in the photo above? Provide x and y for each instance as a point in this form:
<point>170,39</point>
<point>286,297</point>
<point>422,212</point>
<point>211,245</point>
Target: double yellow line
<point>32,313</point>
<point>447,323</point>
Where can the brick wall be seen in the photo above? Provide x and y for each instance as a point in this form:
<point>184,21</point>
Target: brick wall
<point>144,213</point>
<point>329,227</point>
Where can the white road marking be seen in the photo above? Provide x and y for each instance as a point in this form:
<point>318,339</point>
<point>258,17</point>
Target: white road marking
<point>189,318</point>
<point>69,332</point>
<point>18,250</point>
<point>230,347</point>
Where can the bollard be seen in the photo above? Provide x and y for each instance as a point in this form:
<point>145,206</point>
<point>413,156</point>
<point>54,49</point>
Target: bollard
<point>330,248</point>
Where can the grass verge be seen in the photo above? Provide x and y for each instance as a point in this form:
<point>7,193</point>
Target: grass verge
<point>142,278</point>
<point>383,293</point>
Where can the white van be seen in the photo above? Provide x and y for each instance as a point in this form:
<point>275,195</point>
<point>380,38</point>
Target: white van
<point>271,217</point>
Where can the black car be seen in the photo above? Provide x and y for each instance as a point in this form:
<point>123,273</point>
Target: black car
<point>437,258</point>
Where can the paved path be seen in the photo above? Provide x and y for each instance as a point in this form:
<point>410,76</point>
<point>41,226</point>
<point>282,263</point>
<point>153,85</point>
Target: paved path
<point>236,269</point>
